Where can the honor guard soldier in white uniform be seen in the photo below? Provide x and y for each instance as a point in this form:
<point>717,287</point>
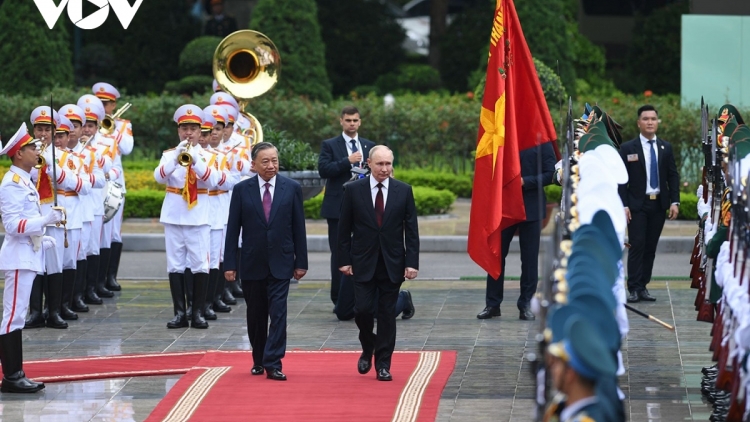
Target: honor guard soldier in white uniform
<point>70,200</point>
<point>123,145</point>
<point>219,199</point>
<point>22,254</point>
<point>94,111</point>
<point>63,179</point>
<point>186,215</point>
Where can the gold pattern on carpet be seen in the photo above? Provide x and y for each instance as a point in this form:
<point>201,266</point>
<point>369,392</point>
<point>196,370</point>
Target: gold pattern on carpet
<point>189,402</point>
<point>411,397</point>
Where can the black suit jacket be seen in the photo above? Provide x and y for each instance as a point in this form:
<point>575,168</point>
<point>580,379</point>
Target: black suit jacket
<point>361,240</point>
<point>334,165</point>
<point>634,192</point>
<point>275,248</point>
<point>533,181</point>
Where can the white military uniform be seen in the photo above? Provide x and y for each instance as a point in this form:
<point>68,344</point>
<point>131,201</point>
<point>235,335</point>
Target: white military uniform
<point>187,228</point>
<point>219,200</point>
<point>70,199</point>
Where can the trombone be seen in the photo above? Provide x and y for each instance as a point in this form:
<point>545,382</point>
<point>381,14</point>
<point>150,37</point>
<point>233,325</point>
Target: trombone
<point>108,123</point>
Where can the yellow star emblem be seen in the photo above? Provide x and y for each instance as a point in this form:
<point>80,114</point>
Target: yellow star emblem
<point>494,131</point>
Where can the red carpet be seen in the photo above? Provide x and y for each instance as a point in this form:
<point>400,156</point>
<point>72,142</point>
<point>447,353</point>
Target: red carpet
<point>322,386</point>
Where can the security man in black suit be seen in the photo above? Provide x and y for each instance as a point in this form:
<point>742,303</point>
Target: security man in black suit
<point>337,157</point>
<point>529,232</point>
<point>378,247</point>
<point>651,191</point>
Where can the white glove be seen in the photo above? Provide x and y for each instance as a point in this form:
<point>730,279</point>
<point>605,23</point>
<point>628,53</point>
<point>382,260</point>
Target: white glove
<point>709,229</point>
<point>47,155</point>
<point>196,154</point>
<point>55,216</point>
<point>183,144</point>
<point>48,242</point>
<point>703,206</point>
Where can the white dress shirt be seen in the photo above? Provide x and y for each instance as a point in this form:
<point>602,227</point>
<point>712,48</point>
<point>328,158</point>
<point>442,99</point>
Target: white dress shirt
<point>374,190</point>
<point>647,159</point>
<point>262,185</point>
<point>347,141</point>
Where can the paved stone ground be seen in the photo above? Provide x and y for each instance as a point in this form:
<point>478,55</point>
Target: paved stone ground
<point>491,380</point>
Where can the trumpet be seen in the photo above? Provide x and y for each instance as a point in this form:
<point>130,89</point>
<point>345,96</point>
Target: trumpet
<point>40,161</point>
<point>185,159</point>
<point>108,123</point>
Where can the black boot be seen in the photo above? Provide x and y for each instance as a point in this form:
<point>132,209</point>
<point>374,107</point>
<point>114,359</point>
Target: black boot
<point>11,357</point>
<point>208,311</point>
<point>91,273</point>
<point>236,288</point>
<point>219,305</point>
<point>35,318</point>
<point>114,266</point>
<point>68,285</point>
<point>177,288</point>
<point>54,301</point>
<point>200,285</point>
<point>80,286</point>
<point>189,292</point>
<point>101,278</point>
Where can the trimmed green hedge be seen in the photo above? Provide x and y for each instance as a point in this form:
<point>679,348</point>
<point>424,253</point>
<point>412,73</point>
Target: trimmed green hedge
<point>688,207</point>
<point>429,201</point>
<point>143,203</point>
<point>459,184</point>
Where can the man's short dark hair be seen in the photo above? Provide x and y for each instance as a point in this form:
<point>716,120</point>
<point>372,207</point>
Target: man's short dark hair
<point>260,146</point>
<point>350,110</point>
<point>647,107</point>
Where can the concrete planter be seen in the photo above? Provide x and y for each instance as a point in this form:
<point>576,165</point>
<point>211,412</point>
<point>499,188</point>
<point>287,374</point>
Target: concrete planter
<point>310,180</point>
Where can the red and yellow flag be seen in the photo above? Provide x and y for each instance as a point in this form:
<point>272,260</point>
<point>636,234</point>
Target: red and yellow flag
<point>514,116</point>
<point>44,186</point>
<point>190,190</point>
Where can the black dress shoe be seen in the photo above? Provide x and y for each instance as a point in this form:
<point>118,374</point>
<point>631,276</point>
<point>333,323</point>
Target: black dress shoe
<point>364,364</point>
<point>526,315</point>
<point>257,370</point>
<point>384,375</point>
<point>409,312</point>
<point>489,312</point>
<point>643,295</point>
<point>275,375</point>
<point>633,297</point>
<point>18,383</point>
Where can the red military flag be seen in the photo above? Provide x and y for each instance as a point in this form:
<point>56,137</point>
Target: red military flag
<point>514,116</point>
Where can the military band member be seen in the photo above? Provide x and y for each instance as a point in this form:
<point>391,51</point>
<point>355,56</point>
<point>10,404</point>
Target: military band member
<point>123,140</point>
<point>21,255</point>
<point>102,148</point>
<point>186,216</point>
<point>48,177</point>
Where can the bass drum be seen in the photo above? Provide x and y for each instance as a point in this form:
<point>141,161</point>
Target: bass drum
<point>113,201</point>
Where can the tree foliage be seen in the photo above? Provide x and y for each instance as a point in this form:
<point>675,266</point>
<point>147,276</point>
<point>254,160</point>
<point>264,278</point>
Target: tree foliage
<point>145,55</point>
<point>654,61</point>
<point>363,41</point>
<point>35,58</point>
<point>293,27</point>
<point>198,56</point>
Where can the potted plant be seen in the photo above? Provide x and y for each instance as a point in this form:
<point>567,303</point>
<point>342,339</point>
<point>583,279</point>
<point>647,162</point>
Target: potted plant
<point>296,161</point>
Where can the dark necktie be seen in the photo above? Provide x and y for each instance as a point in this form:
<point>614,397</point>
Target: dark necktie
<point>267,201</point>
<point>354,149</point>
<point>654,172</point>
<point>379,205</point>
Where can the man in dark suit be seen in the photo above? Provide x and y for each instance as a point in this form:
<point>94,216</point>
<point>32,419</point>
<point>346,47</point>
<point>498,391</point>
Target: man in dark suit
<point>337,158</point>
<point>652,189</point>
<point>378,241</point>
<point>268,209</point>
<point>529,232</point>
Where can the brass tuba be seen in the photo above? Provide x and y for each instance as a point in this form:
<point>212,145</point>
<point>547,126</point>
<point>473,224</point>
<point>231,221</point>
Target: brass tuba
<point>108,123</point>
<point>247,65</point>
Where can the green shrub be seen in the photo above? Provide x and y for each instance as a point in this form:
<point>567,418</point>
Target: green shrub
<point>143,203</point>
<point>409,78</point>
<point>688,207</point>
<point>293,27</point>
<point>460,185</point>
<point>431,201</point>
<point>198,56</point>
<point>189,85</point>
<point>312,207</point>
<point>293,154</point>
<point>35,58</point>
